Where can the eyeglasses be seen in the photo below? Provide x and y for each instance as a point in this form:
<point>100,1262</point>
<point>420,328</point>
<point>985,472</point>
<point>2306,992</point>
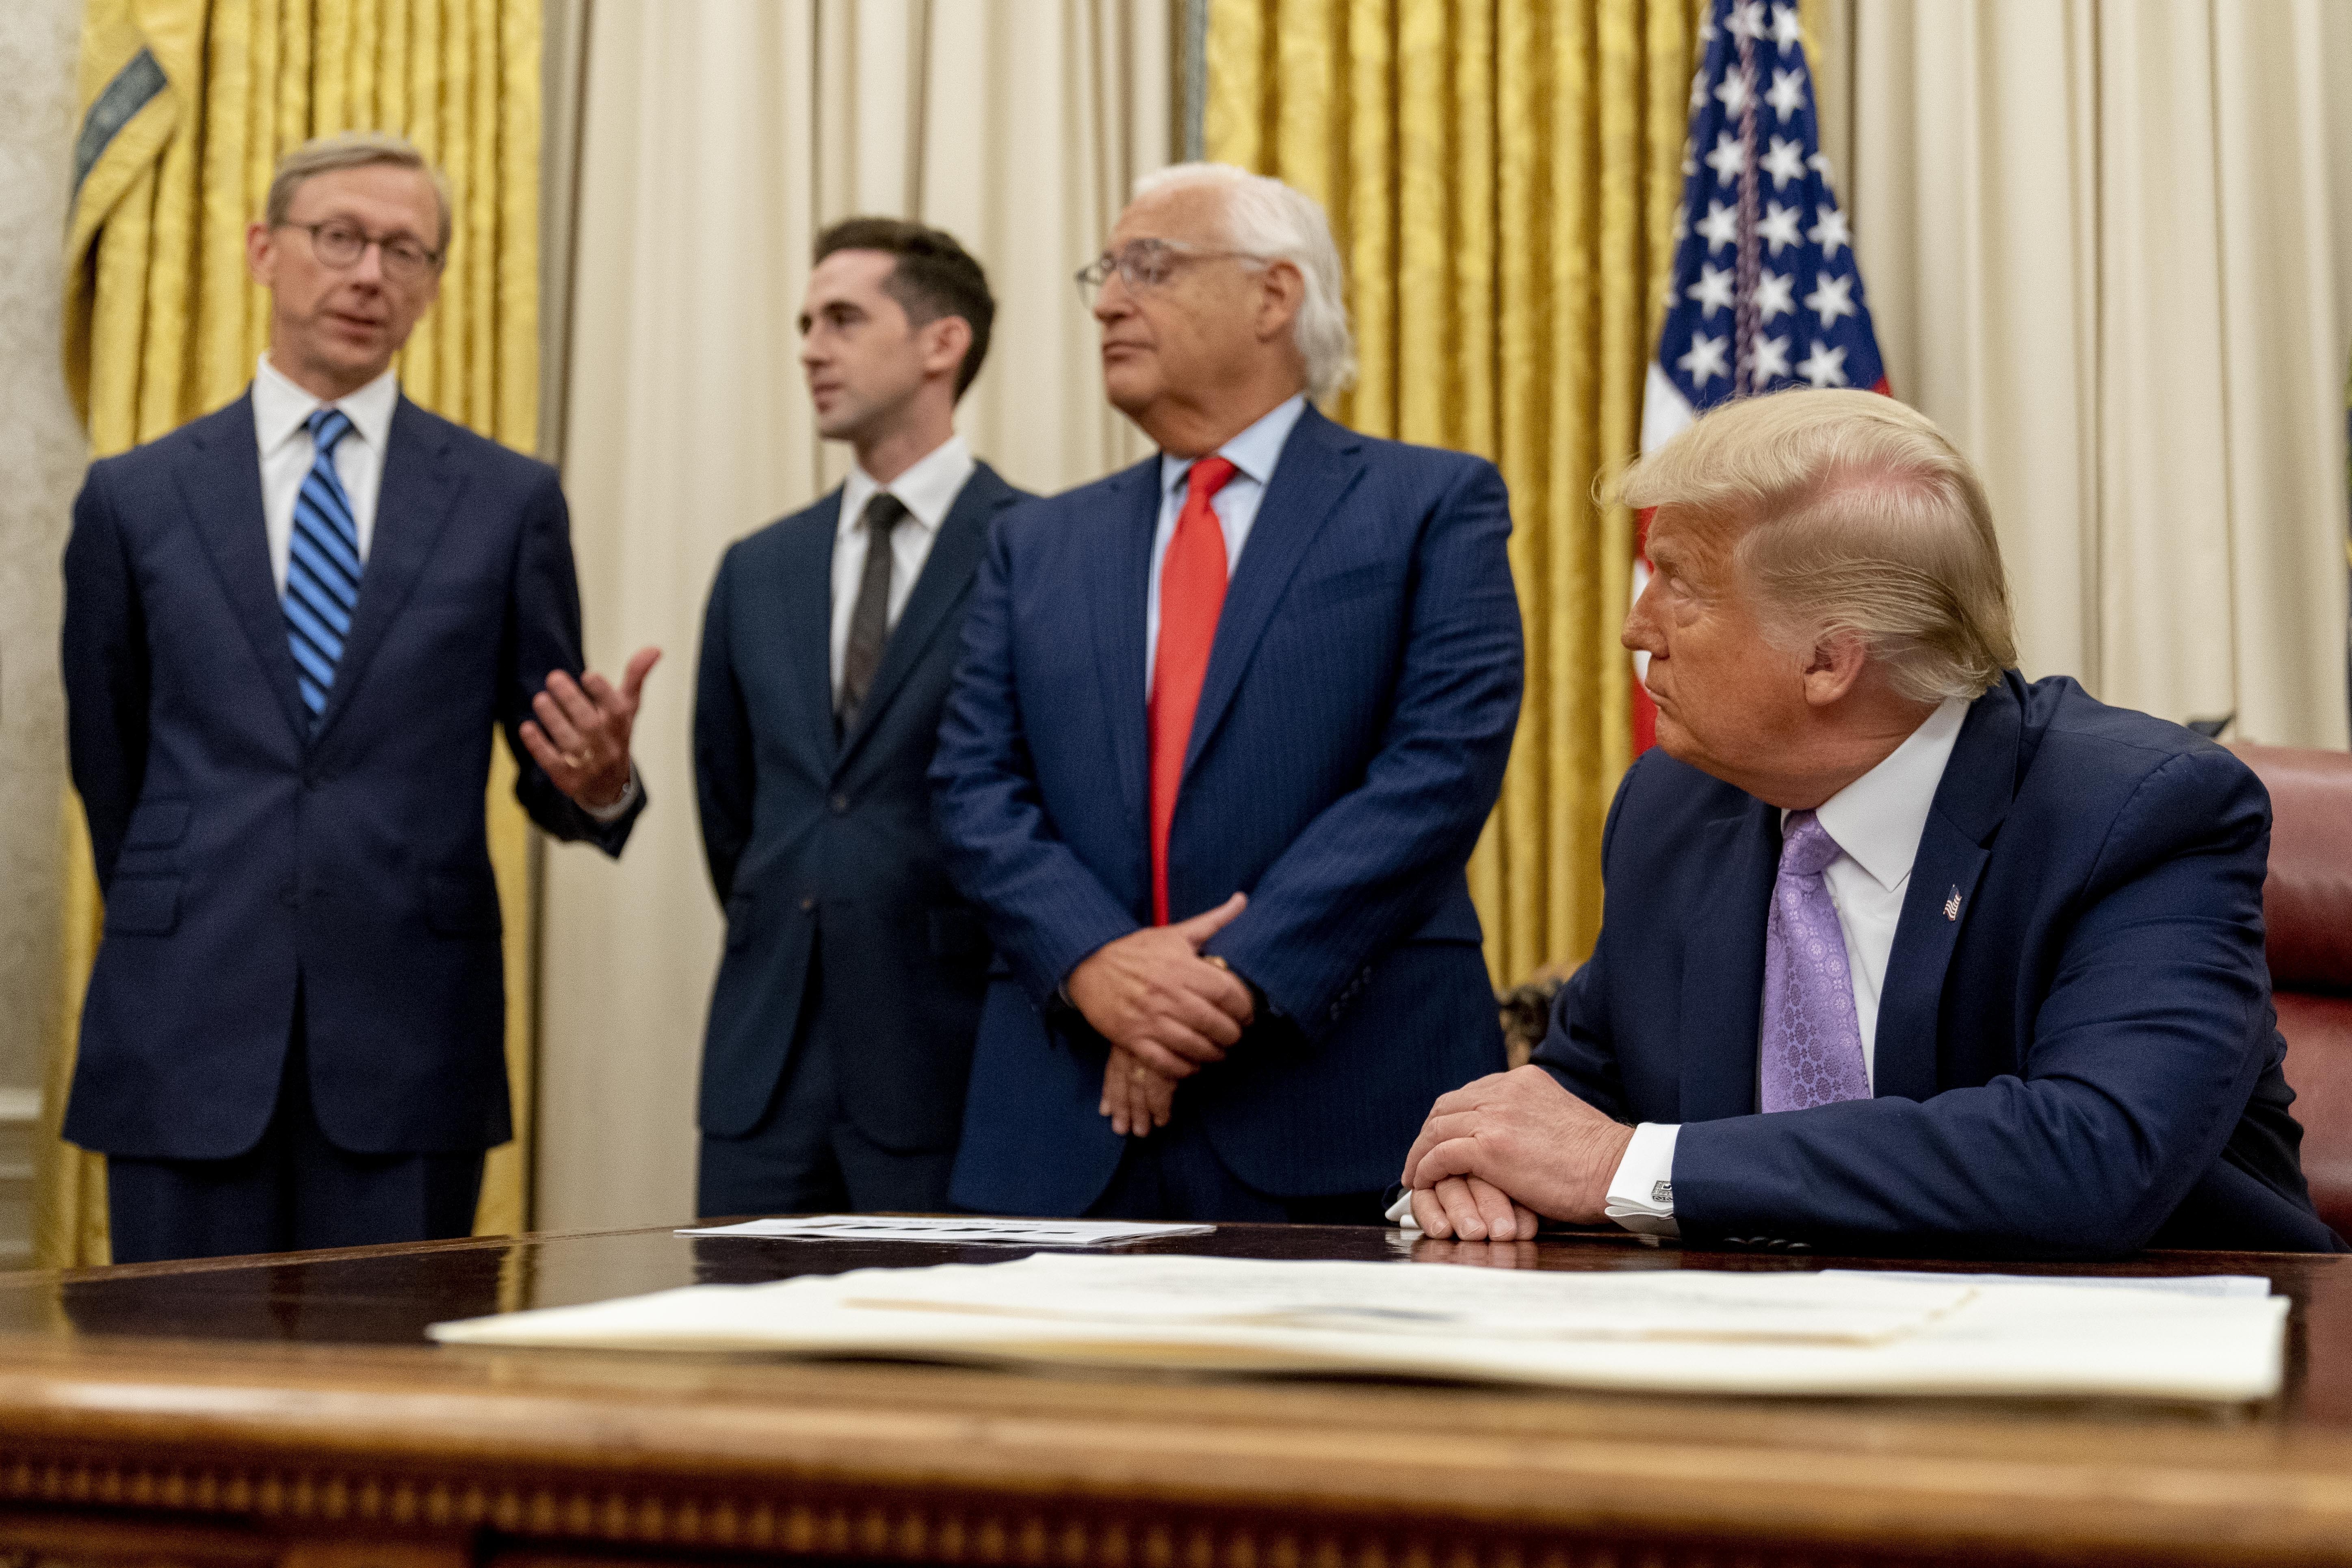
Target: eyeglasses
<point>339,245</point>
<point>1147,264</point>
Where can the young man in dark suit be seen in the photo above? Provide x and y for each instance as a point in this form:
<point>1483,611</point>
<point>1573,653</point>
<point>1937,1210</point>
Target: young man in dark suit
<point>290,628</point>
<point>1226,729</point>
<point>1905,952</point>
<point>841,1023</point>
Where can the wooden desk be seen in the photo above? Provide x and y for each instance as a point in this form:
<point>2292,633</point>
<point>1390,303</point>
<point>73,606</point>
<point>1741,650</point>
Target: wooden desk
<point>288,1410</point>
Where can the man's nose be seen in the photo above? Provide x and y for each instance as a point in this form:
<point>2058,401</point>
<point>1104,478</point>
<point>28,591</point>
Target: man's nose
<point>1112,300</point>
<point>1640,632</point>
<point>369,267</point>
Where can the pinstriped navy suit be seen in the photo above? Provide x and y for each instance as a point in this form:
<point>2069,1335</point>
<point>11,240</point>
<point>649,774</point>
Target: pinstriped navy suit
<point>285,903</point>
<point>1350,740</point>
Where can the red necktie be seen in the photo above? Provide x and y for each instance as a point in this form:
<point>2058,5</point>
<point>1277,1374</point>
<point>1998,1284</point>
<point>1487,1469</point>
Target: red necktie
<point>1192,593</point>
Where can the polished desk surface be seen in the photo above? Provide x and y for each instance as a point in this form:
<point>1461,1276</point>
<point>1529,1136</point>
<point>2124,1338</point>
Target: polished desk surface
<point>299,1392</point>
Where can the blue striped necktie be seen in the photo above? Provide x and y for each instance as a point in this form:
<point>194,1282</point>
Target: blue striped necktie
<point>323,567</point>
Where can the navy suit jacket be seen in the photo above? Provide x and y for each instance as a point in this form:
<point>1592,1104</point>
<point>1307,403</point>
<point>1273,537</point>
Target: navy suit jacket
<point>238,849</point>
<point>1352,729</point>
<point>824,852</point>
<point>2076,1053</point>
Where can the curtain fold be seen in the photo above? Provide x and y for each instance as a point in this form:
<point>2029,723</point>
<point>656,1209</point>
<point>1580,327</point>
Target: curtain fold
<point>718,140</point>
<point>1502,177</point>
<point>2110,250</point>
<point>188,104</point>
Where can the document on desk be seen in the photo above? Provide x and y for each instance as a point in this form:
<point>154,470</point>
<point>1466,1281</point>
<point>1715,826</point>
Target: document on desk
<point>1693,1331</point>
<point>955,1229</point>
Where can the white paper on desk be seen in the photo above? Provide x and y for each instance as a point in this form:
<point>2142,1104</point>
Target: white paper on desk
<point>954,1229</point>
<point>1650,1329</point>
<point>2251,1285</point>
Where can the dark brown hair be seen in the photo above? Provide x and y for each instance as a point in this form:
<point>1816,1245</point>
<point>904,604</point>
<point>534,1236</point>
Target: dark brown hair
<point>934,276</point>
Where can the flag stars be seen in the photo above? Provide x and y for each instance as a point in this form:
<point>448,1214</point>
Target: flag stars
<point>1824,367</point>
<point>1729,159</point>
<point>1831,298</point>
<point>1713,290</point>
<point>1787,94</point>
<point>1788,31</point>
<point>1698,90</point>
<point>1737,89</point>
<point>1776,295</point>
<point>1745,20</point>
<point>1720,227</point>
<point>1830,232</point>
<point>1706,359</point>
<point>1784,162</point>
<point>1778,228</point>
<point>1770,361</point>
<point>1682,225</point>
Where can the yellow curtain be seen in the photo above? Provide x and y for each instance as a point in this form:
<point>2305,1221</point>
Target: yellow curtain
<point>1502,176</point>
<point>187,106</point>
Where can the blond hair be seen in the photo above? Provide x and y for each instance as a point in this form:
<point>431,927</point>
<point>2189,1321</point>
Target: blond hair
<point>351,149</point>
<point>1270,221</point>
<point>1852,516</point>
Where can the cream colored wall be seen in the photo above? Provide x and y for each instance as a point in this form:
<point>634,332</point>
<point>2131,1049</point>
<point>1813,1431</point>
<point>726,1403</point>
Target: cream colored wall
<point>42,453</point>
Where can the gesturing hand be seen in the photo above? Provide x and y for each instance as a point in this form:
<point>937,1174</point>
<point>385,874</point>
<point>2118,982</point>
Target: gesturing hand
<point>1151,994</point>
<point>582,734</point>
<point>1136,1098</point>
<point>1509,1142</point>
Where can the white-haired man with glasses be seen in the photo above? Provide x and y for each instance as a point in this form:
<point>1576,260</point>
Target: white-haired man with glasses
<point>290,627</point>
<point>1225,730</point>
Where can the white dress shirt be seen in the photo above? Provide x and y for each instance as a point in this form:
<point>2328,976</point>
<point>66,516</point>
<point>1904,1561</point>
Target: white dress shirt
<point>1877,821</point>
<point>281,410</point>
<point>928,491</point>
<point>1252,454</point>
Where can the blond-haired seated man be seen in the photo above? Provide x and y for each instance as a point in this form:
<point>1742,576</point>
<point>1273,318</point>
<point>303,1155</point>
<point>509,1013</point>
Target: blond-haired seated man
<point>1903,951</point>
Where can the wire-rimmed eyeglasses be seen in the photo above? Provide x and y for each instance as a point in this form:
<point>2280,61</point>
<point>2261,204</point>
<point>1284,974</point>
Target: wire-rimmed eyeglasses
<point>338,245</point>
<point>1147,264</point>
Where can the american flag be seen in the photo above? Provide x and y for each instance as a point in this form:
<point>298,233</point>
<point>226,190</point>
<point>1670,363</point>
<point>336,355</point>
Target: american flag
<point>1765,293</point>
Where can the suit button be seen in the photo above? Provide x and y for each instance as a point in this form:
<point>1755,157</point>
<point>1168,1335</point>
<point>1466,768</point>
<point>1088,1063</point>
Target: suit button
<point>808,903</point>
<point>840,805</point>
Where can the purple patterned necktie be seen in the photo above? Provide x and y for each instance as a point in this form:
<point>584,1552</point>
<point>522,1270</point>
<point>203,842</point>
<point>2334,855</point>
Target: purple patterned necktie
<point>1812,1040</point>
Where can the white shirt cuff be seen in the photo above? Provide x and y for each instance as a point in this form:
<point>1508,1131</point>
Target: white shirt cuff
<point>607,815</point>
<point>1641,1192</point>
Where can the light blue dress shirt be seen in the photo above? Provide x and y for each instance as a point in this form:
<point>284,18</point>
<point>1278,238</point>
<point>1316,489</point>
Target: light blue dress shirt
<point>1253,454</point>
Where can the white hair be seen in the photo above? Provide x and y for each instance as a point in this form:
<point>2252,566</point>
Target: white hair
<point>1271,221</point>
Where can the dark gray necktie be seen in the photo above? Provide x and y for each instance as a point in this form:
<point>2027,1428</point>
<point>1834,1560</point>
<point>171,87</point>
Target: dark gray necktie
<point>869,617</point>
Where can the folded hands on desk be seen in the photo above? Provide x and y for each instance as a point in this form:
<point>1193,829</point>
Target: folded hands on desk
<point>1496,1154</point>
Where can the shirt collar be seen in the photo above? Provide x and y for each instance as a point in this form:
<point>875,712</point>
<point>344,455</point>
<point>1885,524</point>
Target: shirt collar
<point>927,488</point>
<point>1254,451</point>
<point>280,407</point>
<point>1878,819</point>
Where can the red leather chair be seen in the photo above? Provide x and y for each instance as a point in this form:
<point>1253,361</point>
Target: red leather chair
<point>2307,916</point>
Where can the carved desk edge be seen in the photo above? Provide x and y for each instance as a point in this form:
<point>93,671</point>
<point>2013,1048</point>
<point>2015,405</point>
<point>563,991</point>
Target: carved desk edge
<point>540,1448</point>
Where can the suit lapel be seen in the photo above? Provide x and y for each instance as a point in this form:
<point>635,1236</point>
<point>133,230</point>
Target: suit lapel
<point>1319,466</point>
<point>1119,587</point>
<point>947,573</point>
<point>1722,965</point>
<point>803,601</point>
<point>220,484</point>
<point>413,505</point>
<point>1978,783</point>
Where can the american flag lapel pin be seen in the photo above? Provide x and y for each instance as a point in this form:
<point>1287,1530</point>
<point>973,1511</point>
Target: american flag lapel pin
<point>1952,905</point>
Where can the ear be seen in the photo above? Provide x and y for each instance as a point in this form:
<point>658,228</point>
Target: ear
<point>945,342</point>
<point>261,253</point>
<point>1834,669</point>
<point>1282,291</point>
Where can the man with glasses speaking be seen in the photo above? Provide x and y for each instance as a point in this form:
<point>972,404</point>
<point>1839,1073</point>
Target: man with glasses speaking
<point>1225,730</point>
<point>289,629</point>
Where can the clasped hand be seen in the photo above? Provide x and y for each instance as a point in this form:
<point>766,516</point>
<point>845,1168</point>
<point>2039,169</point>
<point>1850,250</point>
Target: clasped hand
<point>1166,1010</point>
<point>580,736</point>
<point>1497,1153</point>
